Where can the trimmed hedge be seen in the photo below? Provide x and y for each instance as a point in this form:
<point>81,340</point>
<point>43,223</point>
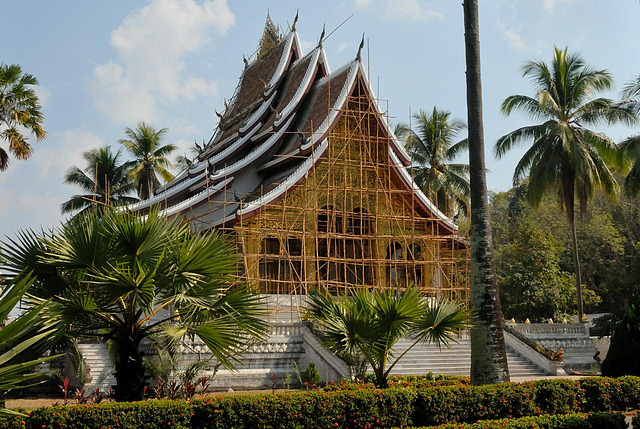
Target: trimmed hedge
<point>561,421</point>
<point>351,409</point>
<point>414,381</point>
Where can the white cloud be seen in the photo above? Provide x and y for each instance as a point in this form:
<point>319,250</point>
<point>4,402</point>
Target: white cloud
<point>36,201</point>
<point>401,10</point>
<point>411,10</point>
<point>62,150</point>
<point>43,94</point>
<point>513,37</point>
<point>307,45</point>
<point>342,46</point>
<point>363,4</point>
<point>550,5</point>
<point>152,43</point>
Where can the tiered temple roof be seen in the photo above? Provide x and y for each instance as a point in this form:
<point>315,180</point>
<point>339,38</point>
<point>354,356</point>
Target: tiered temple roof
<point>272,132</point>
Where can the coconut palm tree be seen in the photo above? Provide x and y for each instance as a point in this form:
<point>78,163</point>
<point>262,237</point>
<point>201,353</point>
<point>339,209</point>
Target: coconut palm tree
<point>433,148</point>
<point>104,180</point>
<point>370,323</point>
<point>125,277</point>
<point>150,158</point>
<point>630,147</point>
<point>565,154</point>
<point>488,354</point>
<point>19,110</point>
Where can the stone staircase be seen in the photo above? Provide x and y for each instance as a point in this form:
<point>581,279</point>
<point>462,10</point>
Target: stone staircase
<point>453,361</point>
<point>101,367</point>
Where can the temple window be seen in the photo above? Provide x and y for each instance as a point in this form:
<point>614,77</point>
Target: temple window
<point>396,265</point>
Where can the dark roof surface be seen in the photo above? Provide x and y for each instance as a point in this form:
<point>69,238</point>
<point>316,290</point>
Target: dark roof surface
<point>261,148</point>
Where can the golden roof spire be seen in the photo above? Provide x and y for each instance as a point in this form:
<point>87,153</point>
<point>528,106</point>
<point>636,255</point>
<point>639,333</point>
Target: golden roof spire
<point>270,37</point>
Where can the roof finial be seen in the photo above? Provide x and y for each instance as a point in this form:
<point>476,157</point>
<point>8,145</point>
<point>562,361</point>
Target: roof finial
<point>295,21</point>
<point>219,115</point>
<point>322,34</point>
<point>359,55</point>
<point>246,61</point>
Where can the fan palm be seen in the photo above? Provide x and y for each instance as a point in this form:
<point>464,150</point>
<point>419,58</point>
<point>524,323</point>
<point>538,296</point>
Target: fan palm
<point>19,109</point>
<point>105,181</point>
<point>433,149</point>
<point>150,158</point>
<point>20,338</point>
<point>565,154</point>
<point>630,147</point>
<point>370,323</point>
<point>125,277</point>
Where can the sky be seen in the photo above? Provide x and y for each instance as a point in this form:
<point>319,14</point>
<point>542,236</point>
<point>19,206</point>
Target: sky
<point>103,66</point>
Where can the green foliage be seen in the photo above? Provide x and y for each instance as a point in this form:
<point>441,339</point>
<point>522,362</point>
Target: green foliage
<point>622,357</point>
<point>109,275</point>
<point>376,408</point>
<point>145,145</point>
<point>630,147</point>
<point>570,421</point>
<point>525,237</point>
<point>433,151</point>
<point>311,376</point>
<point>22,338</point>
<point>533,258</point>
<point>104,181</point>
<point>19,111</point>
<point>566,157</point>
<point>371,323</point>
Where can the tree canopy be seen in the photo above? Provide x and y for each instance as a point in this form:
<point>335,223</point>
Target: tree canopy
<point>19,111</point>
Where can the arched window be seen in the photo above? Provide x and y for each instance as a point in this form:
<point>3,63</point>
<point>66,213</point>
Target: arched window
<point>396,265</point>
<point>281,267</point>
<point>344,255</point>
<point>414,255</point>
<point>269,265</point>
<point>358,222</point>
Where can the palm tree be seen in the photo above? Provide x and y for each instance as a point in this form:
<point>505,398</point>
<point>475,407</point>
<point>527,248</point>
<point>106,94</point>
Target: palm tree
<point>630,147</point>
<point>184,162</point>
<point>19,109</point>
<point>144,144</point>
<point>565,154</point>
<point>432,149</point>
<point>370,323</point>
<point>125,278</point>
<point>488,354</point>
<point>105,181</point>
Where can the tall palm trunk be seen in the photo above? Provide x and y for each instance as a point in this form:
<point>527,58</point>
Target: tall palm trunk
<point>488,356</point>
<point>568,186</point>
<point>130,372</point>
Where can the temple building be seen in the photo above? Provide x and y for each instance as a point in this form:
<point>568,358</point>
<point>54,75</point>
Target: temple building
<point>305,173</point>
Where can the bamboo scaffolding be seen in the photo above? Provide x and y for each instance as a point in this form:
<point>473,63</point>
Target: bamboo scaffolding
<point>349,225</point>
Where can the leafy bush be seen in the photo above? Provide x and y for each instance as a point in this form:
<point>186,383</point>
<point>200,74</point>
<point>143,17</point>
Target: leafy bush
<point>376,408</point>
<point>635,422</point>
<point>311,376</point>
<point>622,357</point>
<point>568,421</point>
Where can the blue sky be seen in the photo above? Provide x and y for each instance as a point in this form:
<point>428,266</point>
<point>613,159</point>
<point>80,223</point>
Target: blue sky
<point>103,66</point>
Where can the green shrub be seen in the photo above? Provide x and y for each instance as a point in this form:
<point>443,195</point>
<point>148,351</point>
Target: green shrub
<point>567,421</point>
<point>311,375</point>
<point>635,422</point>
<point>622,357</point>
<point>375,408</point>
